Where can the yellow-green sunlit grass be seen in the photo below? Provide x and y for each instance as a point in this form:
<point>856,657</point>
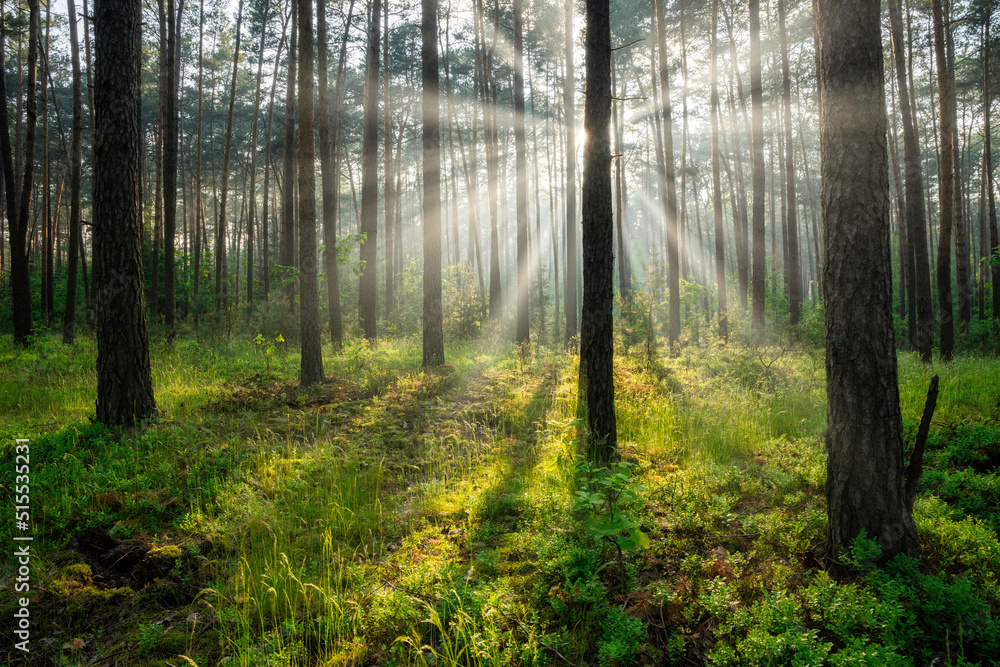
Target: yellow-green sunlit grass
<point>968,387</point>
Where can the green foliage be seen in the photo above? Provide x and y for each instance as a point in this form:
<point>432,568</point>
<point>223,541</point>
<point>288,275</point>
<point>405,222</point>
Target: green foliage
<point>602,496</point>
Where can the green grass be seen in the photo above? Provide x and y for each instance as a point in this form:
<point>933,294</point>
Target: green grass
<point>395,516</point>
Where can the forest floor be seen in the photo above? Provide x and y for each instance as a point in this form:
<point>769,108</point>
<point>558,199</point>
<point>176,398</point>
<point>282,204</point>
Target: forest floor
<point>393,516</point>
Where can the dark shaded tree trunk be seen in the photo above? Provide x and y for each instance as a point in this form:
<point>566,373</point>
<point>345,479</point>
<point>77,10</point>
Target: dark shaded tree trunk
<point>865,478</point>
<point>20,281</point>
<point>311,367</point>
<point>368,284</point>
<point>946,98</point>
<point>597,324</point>
<point>76,167</point>
<point>433,332</point>
<point>990,229</point>
<point>124,377</point>
<point>569,104</point>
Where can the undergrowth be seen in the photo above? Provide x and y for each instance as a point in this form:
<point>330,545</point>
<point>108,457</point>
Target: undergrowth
<point>397,516</point>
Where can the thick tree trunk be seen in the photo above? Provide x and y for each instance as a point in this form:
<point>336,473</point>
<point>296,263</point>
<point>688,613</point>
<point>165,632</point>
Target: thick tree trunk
<point>433,333</point>
<point>865,478</point>
<point>368,284</point>
<point>20,281</point>
<point>124,377</point>
<point>311,367</point>
<point>597,324</point>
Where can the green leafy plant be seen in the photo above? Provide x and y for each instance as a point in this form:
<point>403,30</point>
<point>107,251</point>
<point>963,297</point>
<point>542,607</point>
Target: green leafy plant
<point>602,495</point>
<point>267,348</point>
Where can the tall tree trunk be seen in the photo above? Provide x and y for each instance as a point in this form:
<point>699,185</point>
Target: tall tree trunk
<point>221,279</point>
<point>757,277</point>
<point>286,243</point>
<point>20,281</point>
<point>76,167</point>
<point>368,284</point>
<point>794,268</point>
<point>670,203</point>
<point>946,98</point>
<point>597,325</point>
<point>311,367</point>
<point>390,240</point>
<point>961,231</point>
<point>923,338</point>
<point>170,162</point>
<point>327,140</point>
<point>433,333</point>
<point>866,489</point>
<point>990,229</point>
<point>569,104</point>
<point>253,158</point>
<point>199,224</point>
<point>521,184</point>
<point>124,377</point>
<point>720,255</point>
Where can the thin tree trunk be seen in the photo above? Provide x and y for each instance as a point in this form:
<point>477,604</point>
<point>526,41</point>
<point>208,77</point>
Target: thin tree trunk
<point>368,285</point>
<point>327,140</point>
<point>720,256</point>
<point>757,278</point>
<point>670,203</point>
<point>569,102</point>
<point>76,167</point>
<point>221,279</point>
<point>947,176</point>
<point>286,249</point>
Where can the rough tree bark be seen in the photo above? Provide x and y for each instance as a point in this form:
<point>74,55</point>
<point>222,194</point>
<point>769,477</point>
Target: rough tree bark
<point>124,377</point>
<point>433,333</point>
<point>597,324</point>
<point>368,284</point>
<point>311,366</point>
<point>865,478</point>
